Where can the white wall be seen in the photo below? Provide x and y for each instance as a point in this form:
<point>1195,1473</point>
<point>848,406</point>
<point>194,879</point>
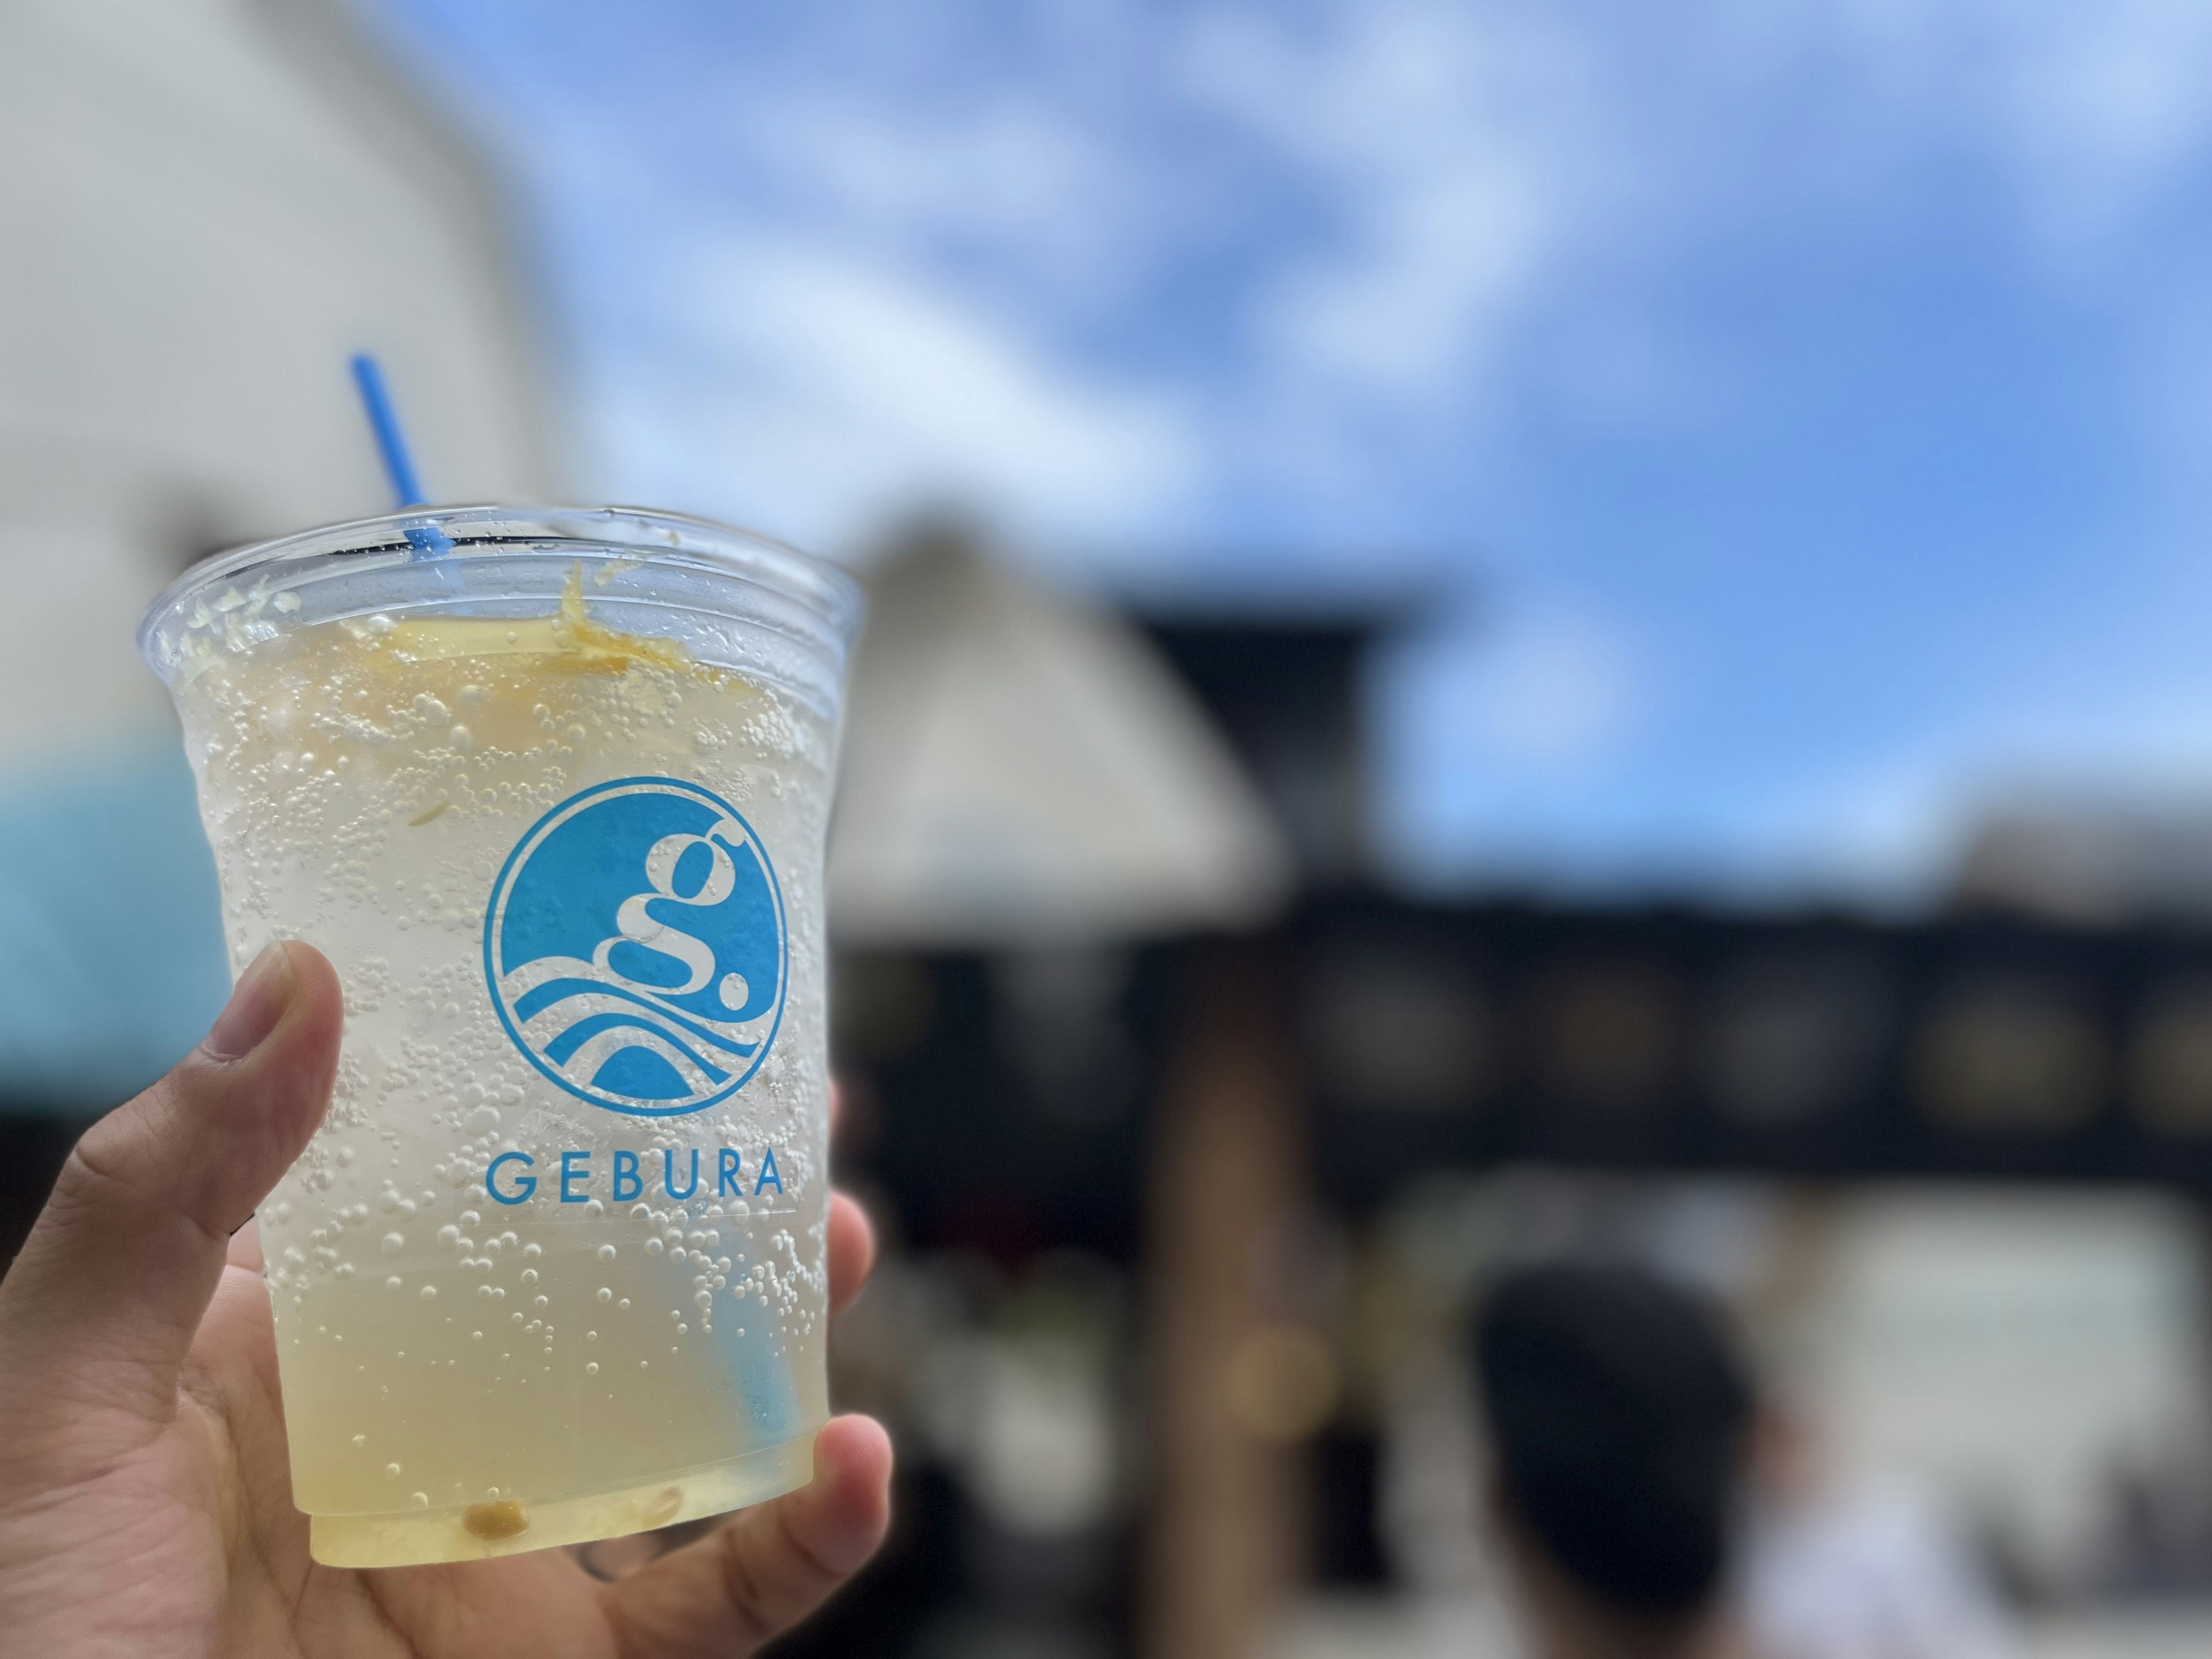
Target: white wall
<point>205,207</point>
<point>209,205</point>
<point>2012,1348</point>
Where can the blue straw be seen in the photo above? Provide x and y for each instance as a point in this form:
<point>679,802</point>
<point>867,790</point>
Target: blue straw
<point>427,540</point>
<point>385,424</point>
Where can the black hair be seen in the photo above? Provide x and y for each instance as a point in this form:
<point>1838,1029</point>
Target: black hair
<point>1618,1415</point>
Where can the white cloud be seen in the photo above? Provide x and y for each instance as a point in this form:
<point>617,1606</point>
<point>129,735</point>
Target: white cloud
<point>1119,278</point>
<point>1044,188</point>
<point>1433,137</point>
<point>1398,191</point>
<point>819,393</point>
<point>921,273</point>
<point>2094,106</point>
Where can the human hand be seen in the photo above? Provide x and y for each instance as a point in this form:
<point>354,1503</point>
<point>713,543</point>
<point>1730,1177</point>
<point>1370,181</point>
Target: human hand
<point>145,1495</point>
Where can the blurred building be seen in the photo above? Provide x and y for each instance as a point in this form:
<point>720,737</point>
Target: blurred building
<point>1288,689</point>
<point>2095,861</point>
<point>214,202</point>
<point>1022,772</point>
<point>1948,1170</point>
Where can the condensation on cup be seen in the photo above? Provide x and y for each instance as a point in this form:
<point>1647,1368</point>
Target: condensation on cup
<point>549,788</point>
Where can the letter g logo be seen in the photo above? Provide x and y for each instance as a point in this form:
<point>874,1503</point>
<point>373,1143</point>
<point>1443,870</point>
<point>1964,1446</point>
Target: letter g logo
<point>635,947</point>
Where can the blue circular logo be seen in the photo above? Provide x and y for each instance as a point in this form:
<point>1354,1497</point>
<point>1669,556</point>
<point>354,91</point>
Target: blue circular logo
<point>635,947</point>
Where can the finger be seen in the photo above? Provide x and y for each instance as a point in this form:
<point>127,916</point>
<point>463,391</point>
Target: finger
<point>851,1249</point>
<point>244,1249</point>
<point>772,1565</point>
<point>103,1300</point>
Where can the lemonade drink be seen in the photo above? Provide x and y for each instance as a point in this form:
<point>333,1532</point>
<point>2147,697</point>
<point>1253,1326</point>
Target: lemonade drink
<point>554,1267</point>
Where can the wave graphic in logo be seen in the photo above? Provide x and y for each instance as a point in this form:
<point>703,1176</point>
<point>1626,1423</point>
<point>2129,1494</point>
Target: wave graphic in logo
<point>635,947</point>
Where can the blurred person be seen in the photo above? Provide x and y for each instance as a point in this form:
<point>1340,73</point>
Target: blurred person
<point>1620,1426</point>
<point>145,1497</point>
<point>1651,1507</point>
<point>1840,1568</point>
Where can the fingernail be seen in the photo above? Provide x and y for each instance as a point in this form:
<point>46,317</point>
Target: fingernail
<point>264,991</point>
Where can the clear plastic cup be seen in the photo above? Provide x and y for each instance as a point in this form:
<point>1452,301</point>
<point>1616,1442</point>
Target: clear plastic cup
<point>549,787</point>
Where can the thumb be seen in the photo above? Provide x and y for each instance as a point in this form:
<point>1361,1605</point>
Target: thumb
<point>101,1307</point>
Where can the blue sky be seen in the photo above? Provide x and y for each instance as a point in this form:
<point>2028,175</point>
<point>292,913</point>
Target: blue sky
<point>1792,418</point>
